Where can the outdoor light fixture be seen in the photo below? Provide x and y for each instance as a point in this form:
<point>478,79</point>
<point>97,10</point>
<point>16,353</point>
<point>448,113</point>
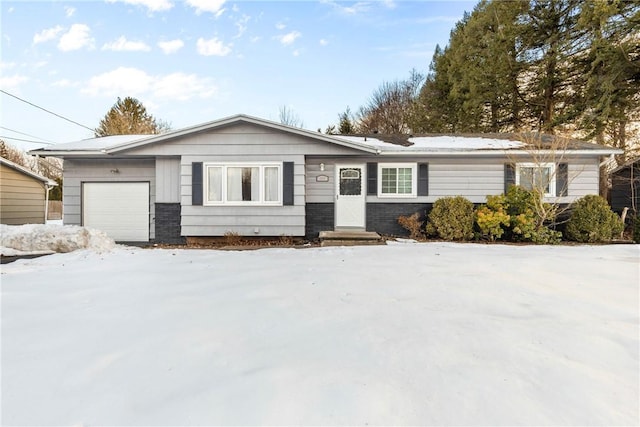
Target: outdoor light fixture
<point>322,167</point>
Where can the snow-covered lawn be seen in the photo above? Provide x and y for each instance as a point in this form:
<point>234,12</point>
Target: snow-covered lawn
<point>421,334</point>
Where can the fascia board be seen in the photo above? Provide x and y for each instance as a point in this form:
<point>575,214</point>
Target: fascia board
<point>236,119</point>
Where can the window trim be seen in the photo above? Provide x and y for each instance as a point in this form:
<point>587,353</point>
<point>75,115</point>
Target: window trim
<point>552,175</point>
<point>225,166</point>
<point>414,180</point>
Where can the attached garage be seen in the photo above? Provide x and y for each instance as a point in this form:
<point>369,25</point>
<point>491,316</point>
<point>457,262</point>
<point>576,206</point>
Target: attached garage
<point>120,209</point>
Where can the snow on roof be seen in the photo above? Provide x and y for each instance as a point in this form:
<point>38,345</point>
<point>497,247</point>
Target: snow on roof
<point>463,143</point>
<point>437,143</point>
<point>95,144</point>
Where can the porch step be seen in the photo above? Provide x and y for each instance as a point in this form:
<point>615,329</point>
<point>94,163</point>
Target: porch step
<point>350,238</point>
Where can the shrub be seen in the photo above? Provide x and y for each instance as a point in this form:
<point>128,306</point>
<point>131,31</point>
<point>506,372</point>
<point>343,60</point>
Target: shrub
<point>593,221</point>
<point>412,224</point>
<point>636,228</point>
<point>451,219</point>
<point>231,238</point>
<point>512,216</point>
<point>492,218</point>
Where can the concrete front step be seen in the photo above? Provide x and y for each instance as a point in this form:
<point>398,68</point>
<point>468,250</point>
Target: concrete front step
<point>350,238</point>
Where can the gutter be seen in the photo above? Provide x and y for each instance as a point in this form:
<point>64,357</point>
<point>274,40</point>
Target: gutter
<point>474,153</point>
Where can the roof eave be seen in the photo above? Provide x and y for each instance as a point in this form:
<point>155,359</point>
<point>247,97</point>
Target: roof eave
<point>28,172</point>
<point>239,118</point>
<point>512,152</point>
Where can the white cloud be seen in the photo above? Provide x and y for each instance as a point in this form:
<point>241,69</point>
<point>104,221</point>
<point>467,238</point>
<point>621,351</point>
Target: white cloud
<point>241,25</point>
<point>76,38</point>
<point>183,87</point>
<point>390,4</point>
<point>123,80</point>
<point>323,42</point>
<point>211,6</point>
<point>152,5</point>
<point>12,82</point>
<point>69,11</point>
<point>287,39</point>
<point>136,82</point>
<point>48,34</point>
<point>124,45</point>
<point>171,46</point>
<point>354,9</point>
<point>280,26</point>
<point>213,47</point>
<point>296,52</point>
<point>64,83</point>
<point>6,65</point>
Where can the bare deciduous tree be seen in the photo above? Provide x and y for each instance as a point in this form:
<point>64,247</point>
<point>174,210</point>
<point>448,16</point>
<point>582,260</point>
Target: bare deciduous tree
<point>289,117</point>
<point>391,106</point>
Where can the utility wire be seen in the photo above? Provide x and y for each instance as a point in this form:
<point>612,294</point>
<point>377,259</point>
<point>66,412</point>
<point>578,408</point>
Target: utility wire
<point>44,109</point>
<point>25,140</point>
<point>26,134</point>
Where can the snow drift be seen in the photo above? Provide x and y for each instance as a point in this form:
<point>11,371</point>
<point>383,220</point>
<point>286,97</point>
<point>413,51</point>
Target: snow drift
<point>33,239</point>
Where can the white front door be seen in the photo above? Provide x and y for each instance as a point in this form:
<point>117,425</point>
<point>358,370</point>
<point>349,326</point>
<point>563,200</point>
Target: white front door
<point>350,196</point>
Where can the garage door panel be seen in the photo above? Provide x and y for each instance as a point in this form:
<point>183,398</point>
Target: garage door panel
<point>119,209</point>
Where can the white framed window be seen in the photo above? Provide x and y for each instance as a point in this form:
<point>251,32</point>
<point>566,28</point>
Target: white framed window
<point>243,184</point>
<point>537,176</point>
<point>397,179</point>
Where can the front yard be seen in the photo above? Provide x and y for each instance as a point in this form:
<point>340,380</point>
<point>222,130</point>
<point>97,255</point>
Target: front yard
<point>429,333</point>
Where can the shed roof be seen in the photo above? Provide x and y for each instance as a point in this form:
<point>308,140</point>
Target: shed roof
<point>27,172</point>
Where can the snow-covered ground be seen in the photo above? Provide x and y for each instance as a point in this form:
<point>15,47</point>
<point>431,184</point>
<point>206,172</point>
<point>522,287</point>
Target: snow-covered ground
<point>422,334</point>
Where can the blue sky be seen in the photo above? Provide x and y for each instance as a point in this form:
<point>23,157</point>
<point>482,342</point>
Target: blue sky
<point>195,61</point>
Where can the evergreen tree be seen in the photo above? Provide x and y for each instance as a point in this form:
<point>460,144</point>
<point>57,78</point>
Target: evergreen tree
<point>610,70</point>
<point>129,117</point>
<point>345,123</point>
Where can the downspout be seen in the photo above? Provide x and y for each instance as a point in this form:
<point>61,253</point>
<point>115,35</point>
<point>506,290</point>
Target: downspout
<point>611,158</point>
<point>46,201</point>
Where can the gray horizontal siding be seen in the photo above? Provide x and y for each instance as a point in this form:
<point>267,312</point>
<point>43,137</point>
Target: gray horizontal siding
<point>243,138</point>
<point>77,171</point>
<point>244,220</point>
<point>471,178</point>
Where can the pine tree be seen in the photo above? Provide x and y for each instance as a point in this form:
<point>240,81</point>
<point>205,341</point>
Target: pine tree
<point>129,117</point>
<point>610,70</point>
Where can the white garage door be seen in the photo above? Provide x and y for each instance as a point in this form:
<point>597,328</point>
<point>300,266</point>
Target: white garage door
<point>121,209</point>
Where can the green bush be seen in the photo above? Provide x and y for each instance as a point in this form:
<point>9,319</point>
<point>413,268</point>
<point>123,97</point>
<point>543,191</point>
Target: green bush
<point>451,219</point>
<point>636,229</point>
<point>592,221</point>
<point>517,216</point>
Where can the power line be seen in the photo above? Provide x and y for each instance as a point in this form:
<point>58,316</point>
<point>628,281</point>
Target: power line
<point>44,109</point>
<point>26,134</point>
<point>25,140</point>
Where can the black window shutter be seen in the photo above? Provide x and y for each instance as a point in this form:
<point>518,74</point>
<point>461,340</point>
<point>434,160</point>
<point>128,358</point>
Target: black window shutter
<point>287,183</point>
<point>562,180</point>
<point>372,179</point>
<point>196,183</point>
<point>423,179</point>
<point>509,176</point>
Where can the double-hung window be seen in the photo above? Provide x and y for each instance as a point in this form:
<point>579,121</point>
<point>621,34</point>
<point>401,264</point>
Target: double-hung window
<point>243,183</point>
<point>397,180</point>
<point>538,177</point>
